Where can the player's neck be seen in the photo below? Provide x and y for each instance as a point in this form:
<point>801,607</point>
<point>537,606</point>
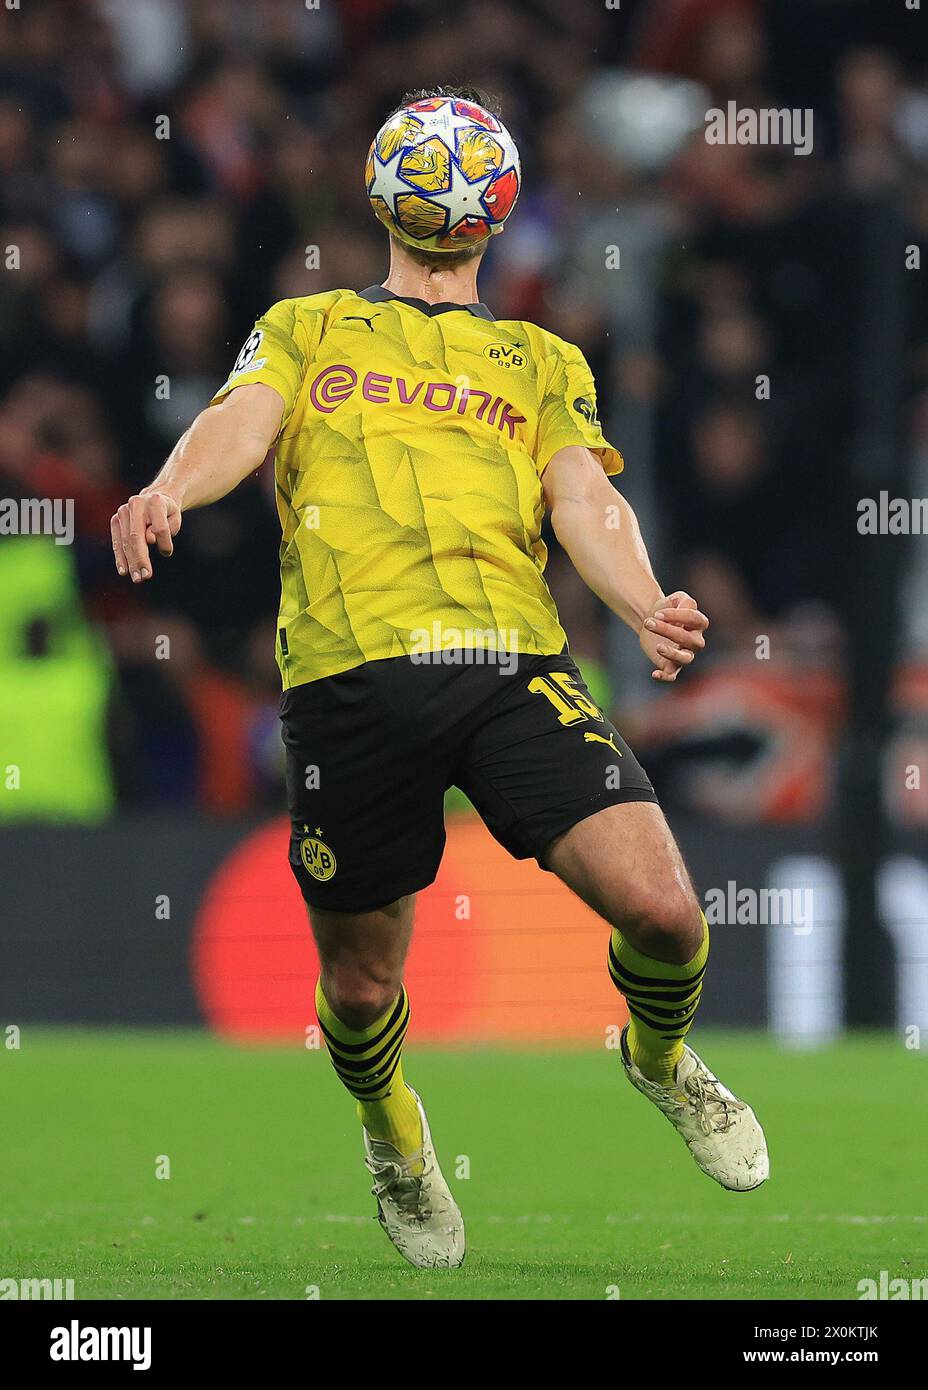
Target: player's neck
<point>435,286</point>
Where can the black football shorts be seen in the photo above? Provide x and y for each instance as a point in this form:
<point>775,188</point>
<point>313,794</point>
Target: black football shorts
<point>371,752</point>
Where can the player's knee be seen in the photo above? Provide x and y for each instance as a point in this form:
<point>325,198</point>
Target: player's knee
<point>359,997</point>
<point>665,925</point>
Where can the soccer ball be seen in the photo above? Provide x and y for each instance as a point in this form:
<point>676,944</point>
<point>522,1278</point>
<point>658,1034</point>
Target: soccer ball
<point>443,174</point>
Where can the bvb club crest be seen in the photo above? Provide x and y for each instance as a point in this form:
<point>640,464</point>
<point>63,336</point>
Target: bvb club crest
<point>317,858</point>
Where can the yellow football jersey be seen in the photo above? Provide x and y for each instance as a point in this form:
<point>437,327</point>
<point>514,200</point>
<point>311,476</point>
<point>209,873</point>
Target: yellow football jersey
<point>408,474</point>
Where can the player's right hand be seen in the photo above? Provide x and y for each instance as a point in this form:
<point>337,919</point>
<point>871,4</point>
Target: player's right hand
<point>149,518</point>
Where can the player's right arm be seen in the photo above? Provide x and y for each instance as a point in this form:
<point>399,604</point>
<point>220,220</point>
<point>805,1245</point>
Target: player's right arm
<point>224,444</point>
<point>229,440</point>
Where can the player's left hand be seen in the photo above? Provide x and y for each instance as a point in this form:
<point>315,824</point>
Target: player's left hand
<point>672,634</point>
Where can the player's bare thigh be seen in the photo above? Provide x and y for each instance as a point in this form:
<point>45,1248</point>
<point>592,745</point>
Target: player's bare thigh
<point>624,862</point>
<point>362,955</point>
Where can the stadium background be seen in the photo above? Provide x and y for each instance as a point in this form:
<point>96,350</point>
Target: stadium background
<point>143,262</point>
<point>142,847</point>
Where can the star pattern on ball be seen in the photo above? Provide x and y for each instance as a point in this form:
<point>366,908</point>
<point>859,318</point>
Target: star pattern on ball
<point>430,217</point>
<point>465,199</point>
<point>388,181</point>
<point>462,198</point>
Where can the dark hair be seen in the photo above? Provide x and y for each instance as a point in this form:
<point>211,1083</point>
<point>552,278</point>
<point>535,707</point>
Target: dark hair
<point>473,94</point>
<point>445,260</point>
<point>441,260</point>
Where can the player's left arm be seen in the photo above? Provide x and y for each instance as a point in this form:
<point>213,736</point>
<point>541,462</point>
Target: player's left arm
<point>600,532</point>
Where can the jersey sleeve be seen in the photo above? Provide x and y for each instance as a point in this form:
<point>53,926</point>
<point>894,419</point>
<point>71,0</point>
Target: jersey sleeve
<point>568,413</point>
<point>271,354</point>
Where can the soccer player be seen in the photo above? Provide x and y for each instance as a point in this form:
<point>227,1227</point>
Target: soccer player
<point>418,441</point>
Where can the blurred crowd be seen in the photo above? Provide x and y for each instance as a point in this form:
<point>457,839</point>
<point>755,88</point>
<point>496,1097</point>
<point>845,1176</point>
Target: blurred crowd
<point>166,164</point>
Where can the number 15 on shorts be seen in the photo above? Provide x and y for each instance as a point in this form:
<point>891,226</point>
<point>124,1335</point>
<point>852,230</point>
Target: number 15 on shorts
<point>572,704</point>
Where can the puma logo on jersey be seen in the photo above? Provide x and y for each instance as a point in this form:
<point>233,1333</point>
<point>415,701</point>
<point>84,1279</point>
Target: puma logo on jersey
<point>359,318</point>
<point>598,738</point>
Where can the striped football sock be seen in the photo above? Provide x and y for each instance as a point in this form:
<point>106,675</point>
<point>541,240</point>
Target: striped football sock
<point>368,1063</point>
<point>662,1001</point>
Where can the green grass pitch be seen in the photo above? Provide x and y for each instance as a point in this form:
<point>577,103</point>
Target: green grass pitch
<point>577,1187</point>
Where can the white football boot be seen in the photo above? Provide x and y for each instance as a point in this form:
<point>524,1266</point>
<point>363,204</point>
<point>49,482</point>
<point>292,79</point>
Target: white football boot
<point>720,1131</point>
<point>419,1214</point>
